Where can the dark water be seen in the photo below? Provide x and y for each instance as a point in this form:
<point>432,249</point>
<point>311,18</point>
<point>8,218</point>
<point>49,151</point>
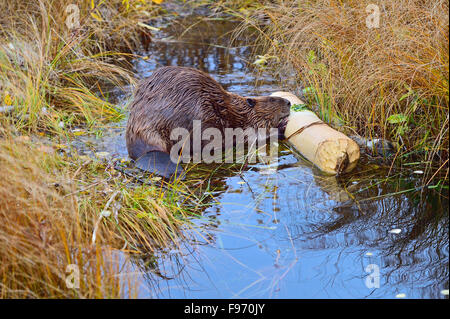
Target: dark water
<point>291,232</point>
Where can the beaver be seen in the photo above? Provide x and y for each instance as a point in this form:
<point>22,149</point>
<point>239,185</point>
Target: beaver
<point>173,97</point>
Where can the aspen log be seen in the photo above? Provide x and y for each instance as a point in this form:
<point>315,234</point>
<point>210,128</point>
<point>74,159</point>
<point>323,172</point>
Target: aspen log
<point>330,150</point>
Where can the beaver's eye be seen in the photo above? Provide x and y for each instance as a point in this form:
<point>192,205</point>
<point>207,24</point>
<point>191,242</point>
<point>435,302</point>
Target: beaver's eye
<point>251,102</point>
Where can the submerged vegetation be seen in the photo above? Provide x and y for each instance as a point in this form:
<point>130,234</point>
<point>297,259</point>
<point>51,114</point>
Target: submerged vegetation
<point>60,63</point>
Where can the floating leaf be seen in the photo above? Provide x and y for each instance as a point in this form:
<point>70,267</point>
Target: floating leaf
<point>263,59</point>
<point>260,60</point>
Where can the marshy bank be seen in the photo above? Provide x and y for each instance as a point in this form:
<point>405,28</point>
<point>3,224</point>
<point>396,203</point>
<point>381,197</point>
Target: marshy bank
<point>69,196</point>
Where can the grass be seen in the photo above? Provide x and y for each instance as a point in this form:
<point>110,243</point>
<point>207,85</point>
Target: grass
<point>389,82</point>
<point>58,209</point>
<point>43,230</point>
<point>53,72</point>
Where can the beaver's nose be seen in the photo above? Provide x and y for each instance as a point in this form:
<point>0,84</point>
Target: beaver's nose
<point>286,103</point>
<point>287,106</point>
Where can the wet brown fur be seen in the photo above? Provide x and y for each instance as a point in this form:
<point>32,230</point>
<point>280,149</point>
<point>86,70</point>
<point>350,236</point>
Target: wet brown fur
<point>176,96</point>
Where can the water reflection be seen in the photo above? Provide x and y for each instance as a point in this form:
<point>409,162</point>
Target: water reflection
<point>284,236</point>
<point>209,45</point>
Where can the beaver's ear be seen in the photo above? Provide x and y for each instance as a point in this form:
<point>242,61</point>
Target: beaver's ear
<point>251,102</point>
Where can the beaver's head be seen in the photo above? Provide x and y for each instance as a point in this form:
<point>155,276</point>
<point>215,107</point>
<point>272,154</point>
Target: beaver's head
<point>262,112</point>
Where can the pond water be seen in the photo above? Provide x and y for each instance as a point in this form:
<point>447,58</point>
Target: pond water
<point>292,232</point>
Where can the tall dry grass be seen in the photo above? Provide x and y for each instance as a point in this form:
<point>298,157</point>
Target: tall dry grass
<point>57,210</point>
<point>389,81</point>
<point>53,70</point>
<point>42,232</point>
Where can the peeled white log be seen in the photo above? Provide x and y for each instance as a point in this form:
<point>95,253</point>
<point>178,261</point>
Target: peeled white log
<point>330,150</point>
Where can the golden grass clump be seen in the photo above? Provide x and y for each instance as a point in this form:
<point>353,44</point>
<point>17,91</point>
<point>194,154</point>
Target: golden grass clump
<point>42,232</point>
<point>58,211</point>
<point>57,208</point>
<point>56,57</point>
<point>389,81</point>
